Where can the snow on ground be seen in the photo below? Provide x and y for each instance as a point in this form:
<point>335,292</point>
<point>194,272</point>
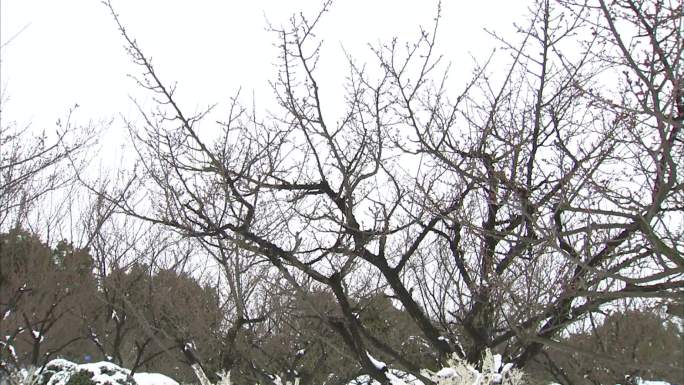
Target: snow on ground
<point>457,373</point>
<point>153,379</point>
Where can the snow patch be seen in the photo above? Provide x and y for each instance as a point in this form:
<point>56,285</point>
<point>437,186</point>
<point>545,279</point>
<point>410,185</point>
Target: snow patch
<point>446,373</point>
<point>13,352</point>
<point>497,362</point>
<point>378,364</point>
<point>153,379</point>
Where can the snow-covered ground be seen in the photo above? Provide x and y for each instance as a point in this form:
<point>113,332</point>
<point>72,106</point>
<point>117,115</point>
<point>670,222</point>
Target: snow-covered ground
<point>494,372</point>
<point>153,379</point>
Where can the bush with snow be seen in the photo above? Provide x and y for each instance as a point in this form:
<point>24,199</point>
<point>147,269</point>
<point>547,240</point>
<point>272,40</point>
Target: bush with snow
<point>64,372</point>
<point>99,373</point>
<point>458,372</point>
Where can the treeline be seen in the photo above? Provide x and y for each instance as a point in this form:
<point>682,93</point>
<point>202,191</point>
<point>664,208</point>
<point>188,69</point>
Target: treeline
<point>56,303</point>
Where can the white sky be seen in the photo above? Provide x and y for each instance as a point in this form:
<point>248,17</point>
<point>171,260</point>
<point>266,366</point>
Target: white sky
<point>70,51</point>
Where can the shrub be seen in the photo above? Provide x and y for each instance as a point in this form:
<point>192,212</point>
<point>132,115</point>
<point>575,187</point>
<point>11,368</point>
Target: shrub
<point>81,378</point>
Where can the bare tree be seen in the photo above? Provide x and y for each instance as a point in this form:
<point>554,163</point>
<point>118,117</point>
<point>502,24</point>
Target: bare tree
<point>35,166</point>
<point>500,214</point>
<point>565,174</point>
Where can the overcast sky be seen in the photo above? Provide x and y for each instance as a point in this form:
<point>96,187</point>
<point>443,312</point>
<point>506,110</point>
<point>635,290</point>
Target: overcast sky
<point>69,51</point>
